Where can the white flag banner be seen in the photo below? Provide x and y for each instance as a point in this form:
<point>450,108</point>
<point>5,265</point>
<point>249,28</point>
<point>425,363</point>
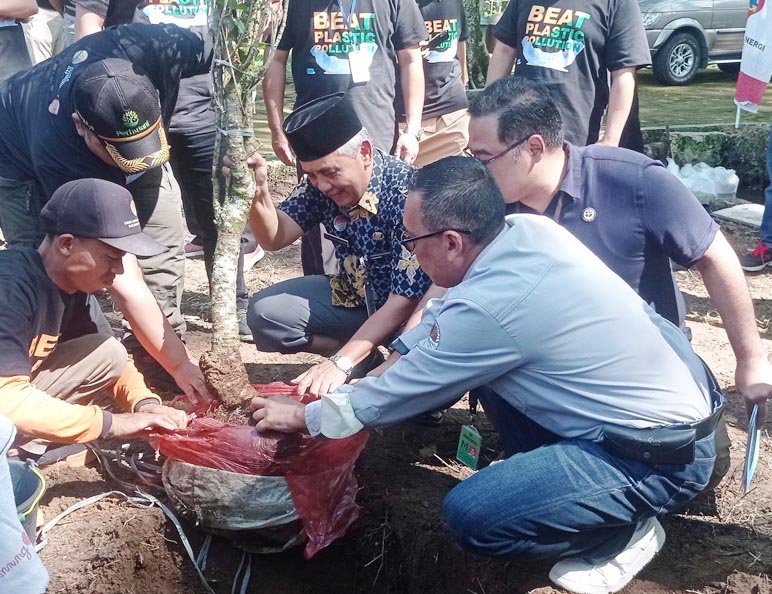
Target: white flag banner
<point>756,66</point>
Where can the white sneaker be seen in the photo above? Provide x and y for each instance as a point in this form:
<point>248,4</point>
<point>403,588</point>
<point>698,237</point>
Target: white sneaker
<point>582,577</point>
<point>252,258</point>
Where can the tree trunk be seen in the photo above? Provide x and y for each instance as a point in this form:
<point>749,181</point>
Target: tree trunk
<point>222,366</point>
<point>246,36</point>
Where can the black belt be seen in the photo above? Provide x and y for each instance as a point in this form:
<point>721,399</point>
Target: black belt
<point>668,444</point>
<point>706,426</point>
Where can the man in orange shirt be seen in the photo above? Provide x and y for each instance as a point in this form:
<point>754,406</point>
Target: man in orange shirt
<point>54,364</point>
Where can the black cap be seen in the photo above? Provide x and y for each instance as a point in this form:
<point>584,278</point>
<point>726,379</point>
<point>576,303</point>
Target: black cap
<point>321,126</point>
<point>99,209</point>
<point>120,104</point>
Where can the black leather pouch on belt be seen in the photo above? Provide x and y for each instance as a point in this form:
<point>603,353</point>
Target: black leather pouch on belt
<point>658,445</point>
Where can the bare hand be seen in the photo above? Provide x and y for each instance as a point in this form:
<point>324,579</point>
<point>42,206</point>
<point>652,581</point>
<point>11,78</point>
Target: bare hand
<point>260,166</point>
<point>137,424</point>
<point>424,47</point>
<point>322,378</point>
<point>282,148</point>
<point>754,381</point>
<point>278,413</point>
<point>407,148</point>
<point>190,380</point>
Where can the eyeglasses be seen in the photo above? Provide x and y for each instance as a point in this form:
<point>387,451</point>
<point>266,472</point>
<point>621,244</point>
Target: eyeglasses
<point>486,162</point>
<point>409,242</point>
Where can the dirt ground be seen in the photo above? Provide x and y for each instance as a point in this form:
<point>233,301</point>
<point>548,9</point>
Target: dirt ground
<point>721,545</point>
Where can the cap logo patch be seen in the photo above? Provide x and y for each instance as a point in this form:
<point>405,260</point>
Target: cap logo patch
<point>130,119</point>
<point>80,56</point>
<point>589,215</point>
<point>131,123</point>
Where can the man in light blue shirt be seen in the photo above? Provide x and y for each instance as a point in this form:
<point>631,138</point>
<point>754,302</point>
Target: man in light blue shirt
<point>606,415</point>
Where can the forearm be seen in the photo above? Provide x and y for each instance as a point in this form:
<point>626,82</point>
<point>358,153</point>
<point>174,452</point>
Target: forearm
<point>38,414</point>
<point>18,9</point>
<point>130,389</point>
<point>501,62</point>
<point>461,55</point>
<point>619,103</point>
<point>274,85</point>
<point>412,80</point>
<point>87,22</point>
<point>729,294</point>
<point>264,220</point>
<point>133,298</point>
<point>378,328</point>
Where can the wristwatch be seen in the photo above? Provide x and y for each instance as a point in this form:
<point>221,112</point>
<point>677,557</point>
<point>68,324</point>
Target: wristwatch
<point>343,363</point>
<point>418,133</point>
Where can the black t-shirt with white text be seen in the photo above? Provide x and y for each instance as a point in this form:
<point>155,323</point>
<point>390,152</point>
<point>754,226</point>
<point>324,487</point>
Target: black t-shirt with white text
<point>570,46</point>
<point>445,92</point>
<point>34,314</point>
<point>322,33</point>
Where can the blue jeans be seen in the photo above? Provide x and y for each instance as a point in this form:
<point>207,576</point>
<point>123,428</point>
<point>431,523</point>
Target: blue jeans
<point>765,232</point>
<point>559,498</point>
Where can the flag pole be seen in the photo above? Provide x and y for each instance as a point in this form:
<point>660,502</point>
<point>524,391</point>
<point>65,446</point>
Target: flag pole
<point>737,118</point>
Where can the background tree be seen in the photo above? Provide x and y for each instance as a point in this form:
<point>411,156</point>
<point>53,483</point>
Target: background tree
<point>246,33</point>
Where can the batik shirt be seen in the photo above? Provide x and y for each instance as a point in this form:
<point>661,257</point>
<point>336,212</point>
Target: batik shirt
<point>366,237</point>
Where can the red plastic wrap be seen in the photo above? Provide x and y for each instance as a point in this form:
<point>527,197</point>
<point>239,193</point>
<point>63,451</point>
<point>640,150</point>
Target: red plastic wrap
<point>319,472</point>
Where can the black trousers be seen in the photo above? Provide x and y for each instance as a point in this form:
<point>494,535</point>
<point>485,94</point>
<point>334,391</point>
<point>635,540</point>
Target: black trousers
<point>191,158</point>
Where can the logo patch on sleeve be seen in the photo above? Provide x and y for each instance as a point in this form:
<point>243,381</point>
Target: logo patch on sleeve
<point>434,336</point>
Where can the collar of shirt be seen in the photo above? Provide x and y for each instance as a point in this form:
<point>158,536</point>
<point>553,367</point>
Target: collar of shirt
<point>572,181</point>
<point>570,186</point>
<point>369,200</point>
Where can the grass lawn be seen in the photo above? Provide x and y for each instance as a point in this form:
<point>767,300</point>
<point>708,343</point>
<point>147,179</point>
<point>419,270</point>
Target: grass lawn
<point>707,100</point>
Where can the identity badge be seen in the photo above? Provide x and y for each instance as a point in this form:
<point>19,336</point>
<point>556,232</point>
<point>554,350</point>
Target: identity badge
<point>469,446</point>
<point>359,62</point>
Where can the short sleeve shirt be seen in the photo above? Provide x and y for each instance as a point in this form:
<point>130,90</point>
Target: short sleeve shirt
<point>322,33</point>
<point>569,46</point>
<point>636,217</point>
<point>367,236</point>
<point>445,92</point>
<point>34,314</point>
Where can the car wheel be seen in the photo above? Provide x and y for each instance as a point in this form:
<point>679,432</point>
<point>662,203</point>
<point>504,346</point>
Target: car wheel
<point>729,67</point>
<point>677,62</point>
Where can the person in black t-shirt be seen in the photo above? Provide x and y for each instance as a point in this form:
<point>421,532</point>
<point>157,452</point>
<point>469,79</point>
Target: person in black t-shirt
<point>50,137</point>
<point>569,47</point>
<point>445,119</point>
<point>53,362</point>
<point>13,47</point>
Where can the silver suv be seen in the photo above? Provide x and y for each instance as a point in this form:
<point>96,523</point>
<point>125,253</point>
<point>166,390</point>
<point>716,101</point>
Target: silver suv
<point>686,35</point>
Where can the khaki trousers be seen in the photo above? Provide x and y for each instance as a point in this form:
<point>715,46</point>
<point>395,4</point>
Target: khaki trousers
<point>444,136</point>
<point>78,371</point>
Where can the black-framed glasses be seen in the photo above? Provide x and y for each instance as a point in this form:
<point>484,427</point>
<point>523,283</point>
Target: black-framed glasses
<point>409,242</point>
<point>489,160</point>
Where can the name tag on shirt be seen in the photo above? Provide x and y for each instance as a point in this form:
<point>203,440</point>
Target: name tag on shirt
<point>469,446</point>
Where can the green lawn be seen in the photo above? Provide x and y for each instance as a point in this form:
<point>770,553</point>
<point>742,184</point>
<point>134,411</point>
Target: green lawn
<point>707,100</point>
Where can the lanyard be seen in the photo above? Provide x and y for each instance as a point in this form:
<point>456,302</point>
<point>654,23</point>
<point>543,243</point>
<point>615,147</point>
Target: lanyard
<point>347,17</point>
